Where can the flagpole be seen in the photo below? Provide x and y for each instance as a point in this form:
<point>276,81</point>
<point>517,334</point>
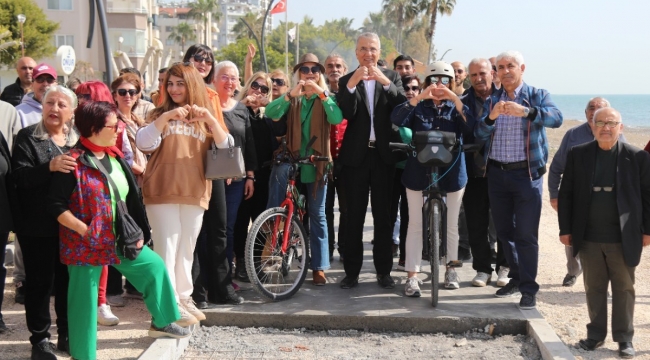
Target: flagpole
<point>286,40</point>
<point>297,42</point>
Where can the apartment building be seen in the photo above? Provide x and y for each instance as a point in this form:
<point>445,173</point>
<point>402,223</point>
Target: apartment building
<point>232,10</point>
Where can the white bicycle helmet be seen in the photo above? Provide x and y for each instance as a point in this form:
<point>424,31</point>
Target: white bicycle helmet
<point>439,68</point>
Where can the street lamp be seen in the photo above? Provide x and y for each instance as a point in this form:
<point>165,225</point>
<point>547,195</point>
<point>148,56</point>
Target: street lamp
<point>21,20</point>
<point>120,40</point>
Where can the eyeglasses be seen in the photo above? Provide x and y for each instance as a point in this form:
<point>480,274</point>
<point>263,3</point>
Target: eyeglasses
<point>278,82</point>
<point>412,88</point>
<point>198,58</point>
<point>433,79</point>
<point>226,78</point>
<point>42,79</point>
<point>262,88</point>
<point>459,71</point>
<point>115,127</point>
<point>609,124</point>
<point>306,70</point>
<point>131,92</point>
<point>603,188</point>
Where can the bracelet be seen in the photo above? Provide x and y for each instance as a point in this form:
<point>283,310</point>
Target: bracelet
<point>288,95</point>
<point>250,178</point>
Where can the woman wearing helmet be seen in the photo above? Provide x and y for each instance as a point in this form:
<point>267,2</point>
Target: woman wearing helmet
<point>437,107</point>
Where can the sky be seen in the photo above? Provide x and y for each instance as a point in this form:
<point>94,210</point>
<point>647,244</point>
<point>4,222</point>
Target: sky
<point>569,46</point>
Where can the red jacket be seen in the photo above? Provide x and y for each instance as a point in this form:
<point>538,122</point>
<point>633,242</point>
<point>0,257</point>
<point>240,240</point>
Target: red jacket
<point>336,138</point>
<point>647,147</point>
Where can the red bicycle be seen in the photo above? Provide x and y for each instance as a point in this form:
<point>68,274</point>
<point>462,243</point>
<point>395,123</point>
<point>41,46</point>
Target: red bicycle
<point>277,246</point>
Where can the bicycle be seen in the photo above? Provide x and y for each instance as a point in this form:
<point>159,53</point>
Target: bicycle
<point>435,149</point>
<point>277,247</point>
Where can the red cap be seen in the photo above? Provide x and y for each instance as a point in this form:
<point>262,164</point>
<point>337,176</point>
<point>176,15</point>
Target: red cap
<point>44,68</point>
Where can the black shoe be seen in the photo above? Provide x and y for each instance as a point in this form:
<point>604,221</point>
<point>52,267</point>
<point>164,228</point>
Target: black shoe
<point>43,351</point>
<point>63,344</point>
<point>569,280</point>
<point>232,299</point>
<point>20,293</point>
<point>590,344</point>
<point>349,282</point>
<point>510,290</point>
<point>626,350</point>
<point>201,305</point>
<point>3,327</point>
<point>464,254</point>
<point>385,281</point>
<point>396,250</point>
<point>242,275</point>
<point>527,301</point>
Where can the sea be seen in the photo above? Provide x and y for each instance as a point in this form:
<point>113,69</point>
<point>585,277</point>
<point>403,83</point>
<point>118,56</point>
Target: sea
<point>634,109</point>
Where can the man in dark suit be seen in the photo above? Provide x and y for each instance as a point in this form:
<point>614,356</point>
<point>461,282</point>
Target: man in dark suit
<point>604,213</point>
<point>367,97</point>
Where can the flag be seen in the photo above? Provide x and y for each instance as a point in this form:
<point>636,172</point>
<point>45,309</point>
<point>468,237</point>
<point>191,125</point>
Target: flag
<point>279,7</point>
<point>292,34</point>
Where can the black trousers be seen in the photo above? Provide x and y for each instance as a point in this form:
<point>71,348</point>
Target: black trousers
<point>249,210</point>
<point>477,212</point>
<point>336,187</point>
<point>377,177</point>
<point>398,199</point>
<point>45,275</point>
<point>210,269</point>
<point>3,270</point>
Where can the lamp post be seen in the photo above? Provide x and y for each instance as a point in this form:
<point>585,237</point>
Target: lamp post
<point>21,20</point>
<point>120,40</point>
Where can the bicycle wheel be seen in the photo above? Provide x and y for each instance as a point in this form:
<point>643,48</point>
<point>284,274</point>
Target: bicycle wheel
<point>276,275</point>
<point>435,237</point>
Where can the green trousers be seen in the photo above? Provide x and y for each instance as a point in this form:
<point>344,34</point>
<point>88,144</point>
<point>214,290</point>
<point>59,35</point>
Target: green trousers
<point>147,274</point>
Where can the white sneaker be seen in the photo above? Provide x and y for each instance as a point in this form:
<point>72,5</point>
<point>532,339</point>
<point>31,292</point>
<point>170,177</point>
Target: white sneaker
<point>186,319</point>
<point>502,276</point>
<point>191,308</point>
<point>481,279</point>
<point>105,316</point>
<point>412,288</point>
<point>452,281</point>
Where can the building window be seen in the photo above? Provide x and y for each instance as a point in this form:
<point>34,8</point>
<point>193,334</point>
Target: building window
<point>169,28</point>
<point>133,43</point>
<point>60,40</point>
<point>59,4</point>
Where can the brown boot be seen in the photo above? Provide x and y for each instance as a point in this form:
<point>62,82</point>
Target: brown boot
<point>319,277</point>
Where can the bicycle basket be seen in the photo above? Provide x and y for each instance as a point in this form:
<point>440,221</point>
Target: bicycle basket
<point>434,148</point>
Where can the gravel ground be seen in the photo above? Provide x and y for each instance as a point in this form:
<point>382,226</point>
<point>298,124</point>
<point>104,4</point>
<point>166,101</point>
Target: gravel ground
<point>268,343</point>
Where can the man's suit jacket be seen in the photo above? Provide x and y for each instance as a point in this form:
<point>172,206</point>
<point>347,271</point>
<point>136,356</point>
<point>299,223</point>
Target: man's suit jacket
<point>355,110</point>
<point>632,196</point>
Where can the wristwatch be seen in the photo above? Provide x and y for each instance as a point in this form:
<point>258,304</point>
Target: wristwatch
<point>324,95</point>
<point>526,111</point>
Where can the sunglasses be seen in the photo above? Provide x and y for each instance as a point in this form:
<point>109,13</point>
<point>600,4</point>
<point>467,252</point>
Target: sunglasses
<point>42,79</point>
<point>609,124</point>
<point>198,58</point>
<point>306,70</point>
<point>83,96</point>
<point>433,79</point>
<point>603,188</point>
<point>459,71</point>
<point>123,92</point>
<point>278,82</point>
<point>262,88</point>
<point>412,88</point>
<point>115,127</point>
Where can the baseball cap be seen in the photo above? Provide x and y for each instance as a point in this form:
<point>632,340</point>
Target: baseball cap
<point>44,68</point>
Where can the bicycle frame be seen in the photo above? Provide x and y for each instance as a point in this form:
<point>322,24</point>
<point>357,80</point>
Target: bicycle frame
<point>431,193</point>
<point>289,204</point>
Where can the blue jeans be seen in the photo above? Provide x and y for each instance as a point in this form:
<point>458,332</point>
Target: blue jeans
<point>516,203</point>
<point>318,238</point>
<point>234,197</point>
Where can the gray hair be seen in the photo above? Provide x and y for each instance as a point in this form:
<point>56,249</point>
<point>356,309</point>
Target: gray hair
<point>512,54</point>
<point>224,65</point>
<point>480,61</point>
<point>370,35</point>
<point>616,113</point>
<point>40,132</point>
<point>337,56</point>
<point>599,99</point>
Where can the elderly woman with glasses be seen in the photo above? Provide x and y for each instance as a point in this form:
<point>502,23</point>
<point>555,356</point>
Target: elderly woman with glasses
<point>309,111</point>
<point>40,150</point>
<point>437,107</point>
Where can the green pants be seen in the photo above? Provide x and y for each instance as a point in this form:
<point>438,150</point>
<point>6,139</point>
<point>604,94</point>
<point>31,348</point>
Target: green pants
<point>147,274</point>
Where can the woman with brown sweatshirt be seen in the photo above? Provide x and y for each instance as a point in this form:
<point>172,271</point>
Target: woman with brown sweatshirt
<point>175,190</point>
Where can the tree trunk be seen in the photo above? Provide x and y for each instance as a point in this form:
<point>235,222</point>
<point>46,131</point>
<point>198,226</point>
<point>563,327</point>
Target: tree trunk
<point>432,28</point>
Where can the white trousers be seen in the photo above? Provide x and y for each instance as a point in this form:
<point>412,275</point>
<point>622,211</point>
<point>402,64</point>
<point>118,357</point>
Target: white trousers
<point>414,233</point>
<point>175,228</point>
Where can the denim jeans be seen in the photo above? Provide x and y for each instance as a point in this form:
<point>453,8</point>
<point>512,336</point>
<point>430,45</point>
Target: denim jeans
<point>234,197</point>
<point>318,238</point>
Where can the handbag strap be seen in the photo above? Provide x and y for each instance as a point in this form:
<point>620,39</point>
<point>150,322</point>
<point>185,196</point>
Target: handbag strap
<point>101,168</point>
<point>231,142</point>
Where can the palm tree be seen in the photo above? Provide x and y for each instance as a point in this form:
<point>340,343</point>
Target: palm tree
<point>181,33</point>
<point>402,13</point>
<point>432,8</point>
<point>249,26</point>
<point>206,11</point>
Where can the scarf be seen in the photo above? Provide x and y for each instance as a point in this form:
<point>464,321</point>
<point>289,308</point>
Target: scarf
<point>110,150</point>
<point>319,128</point>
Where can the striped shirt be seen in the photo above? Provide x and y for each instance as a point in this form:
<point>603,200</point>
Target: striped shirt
<point>509,144</point>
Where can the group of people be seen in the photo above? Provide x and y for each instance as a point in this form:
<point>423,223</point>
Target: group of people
<point>71,159</point>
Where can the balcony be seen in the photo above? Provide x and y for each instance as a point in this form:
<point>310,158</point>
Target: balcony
<point>126,6</point>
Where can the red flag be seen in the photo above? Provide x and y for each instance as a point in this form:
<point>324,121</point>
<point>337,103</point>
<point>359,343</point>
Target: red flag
<point>279,7</point>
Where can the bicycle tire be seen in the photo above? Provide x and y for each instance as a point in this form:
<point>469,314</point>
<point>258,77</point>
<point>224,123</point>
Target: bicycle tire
<point>274,275</point>
<point>435,237</point>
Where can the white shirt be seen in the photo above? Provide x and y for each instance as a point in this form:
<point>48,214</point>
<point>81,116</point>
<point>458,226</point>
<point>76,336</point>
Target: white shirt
<point>370,94</point>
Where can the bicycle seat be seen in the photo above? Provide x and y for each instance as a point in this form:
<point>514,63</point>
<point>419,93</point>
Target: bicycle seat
<point>434,148</point>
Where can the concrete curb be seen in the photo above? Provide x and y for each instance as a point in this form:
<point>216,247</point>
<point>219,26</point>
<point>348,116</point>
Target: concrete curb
<point>167,349</point>
<point>550,345</point>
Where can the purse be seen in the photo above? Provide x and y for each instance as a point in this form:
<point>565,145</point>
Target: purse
<point>224,163</point>
<point>127,232</point>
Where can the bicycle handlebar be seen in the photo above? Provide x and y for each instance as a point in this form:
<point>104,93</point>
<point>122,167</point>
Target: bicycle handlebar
<point>409,147</point>
<point>400,146</point>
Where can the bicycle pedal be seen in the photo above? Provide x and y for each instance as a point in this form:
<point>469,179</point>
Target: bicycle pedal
<point>455,264</point>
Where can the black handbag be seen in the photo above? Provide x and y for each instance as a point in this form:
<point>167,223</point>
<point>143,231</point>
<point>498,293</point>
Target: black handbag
<point>127,231</point>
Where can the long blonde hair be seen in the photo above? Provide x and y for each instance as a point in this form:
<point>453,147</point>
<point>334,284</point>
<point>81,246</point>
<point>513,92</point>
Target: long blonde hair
<point>258,75</point>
